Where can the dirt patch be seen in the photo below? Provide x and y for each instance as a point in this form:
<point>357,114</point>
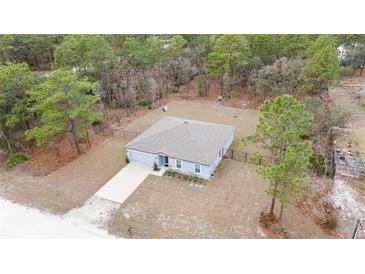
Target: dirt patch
<point>317,204</point>
<point>241,97</point>
<point>45,160</point>
<point>243,120</point>
<point>69,186</point>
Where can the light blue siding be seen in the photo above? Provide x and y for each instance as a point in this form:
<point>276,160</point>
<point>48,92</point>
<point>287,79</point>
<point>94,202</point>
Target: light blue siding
<point>189,168</point>
<point>223,151</point>
<point>141,157</point>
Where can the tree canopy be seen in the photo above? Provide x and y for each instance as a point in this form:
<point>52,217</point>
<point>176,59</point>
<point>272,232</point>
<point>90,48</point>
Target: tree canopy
<point>323,64</point>
<point>83,53</point>
<point>15,80</point>
<point>284,76</point>
<point>34,49</point>
<point>282,126</point>
<point>134,70</point>
<point>63,103</point>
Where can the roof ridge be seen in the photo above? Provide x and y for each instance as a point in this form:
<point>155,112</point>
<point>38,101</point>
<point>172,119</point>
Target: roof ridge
<point>197,122</point>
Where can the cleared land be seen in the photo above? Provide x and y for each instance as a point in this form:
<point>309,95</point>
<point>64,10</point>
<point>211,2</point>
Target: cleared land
<point>73,184</point>
<point>228,207</point>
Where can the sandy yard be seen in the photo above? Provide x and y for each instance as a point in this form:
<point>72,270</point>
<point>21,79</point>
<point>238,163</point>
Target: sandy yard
<point>243,120</point>
<point>71,185</point>
<point>170,208</point>
<point>228,207</point>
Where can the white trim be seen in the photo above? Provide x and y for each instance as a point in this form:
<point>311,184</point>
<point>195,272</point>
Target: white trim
<point>180,163</point>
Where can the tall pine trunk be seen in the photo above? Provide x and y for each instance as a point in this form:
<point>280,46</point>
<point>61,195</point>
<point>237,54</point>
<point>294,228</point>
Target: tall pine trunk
<point>281,212</point>
<point>88,138</point>
<point>74,136</point>
<point>273,199</point>
<point>222,84</point>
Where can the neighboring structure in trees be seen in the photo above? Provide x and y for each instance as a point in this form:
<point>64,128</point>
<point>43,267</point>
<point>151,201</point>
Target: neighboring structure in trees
<point>185,146</point>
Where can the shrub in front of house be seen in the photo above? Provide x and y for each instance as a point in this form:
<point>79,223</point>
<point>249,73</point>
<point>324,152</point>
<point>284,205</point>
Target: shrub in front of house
<point>185,177</point>
<point>16,158</point>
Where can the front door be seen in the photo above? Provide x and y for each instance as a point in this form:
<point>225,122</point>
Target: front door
<point>166,161</point>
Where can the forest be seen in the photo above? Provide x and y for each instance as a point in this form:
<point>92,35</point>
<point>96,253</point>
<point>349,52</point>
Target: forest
<point>52,86</point>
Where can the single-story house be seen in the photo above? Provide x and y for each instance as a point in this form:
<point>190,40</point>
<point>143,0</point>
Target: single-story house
<point>185,146</point>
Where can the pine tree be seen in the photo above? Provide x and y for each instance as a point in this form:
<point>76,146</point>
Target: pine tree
<point>15,80</point>
<point>282,126</point>
<point>323,64</point>
<point>64,104</point>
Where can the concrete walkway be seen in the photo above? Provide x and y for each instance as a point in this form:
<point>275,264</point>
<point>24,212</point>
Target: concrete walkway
<point>124,183</point>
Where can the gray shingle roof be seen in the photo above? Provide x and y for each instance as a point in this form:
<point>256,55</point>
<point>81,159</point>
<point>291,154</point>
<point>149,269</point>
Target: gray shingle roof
<point>184,139</point>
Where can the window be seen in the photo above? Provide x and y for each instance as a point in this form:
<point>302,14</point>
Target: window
<point>197,168</point>
<point>178,163</point>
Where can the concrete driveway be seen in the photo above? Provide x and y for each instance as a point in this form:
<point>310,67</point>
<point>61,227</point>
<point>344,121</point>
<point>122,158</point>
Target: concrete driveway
<point>122,185</point>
